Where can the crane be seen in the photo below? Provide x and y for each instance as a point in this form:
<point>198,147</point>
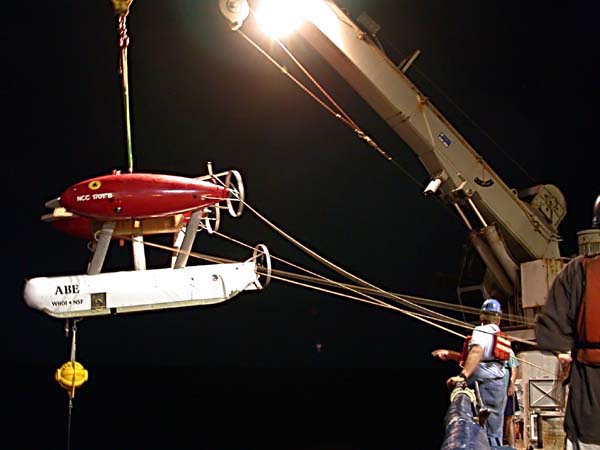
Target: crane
<point>514,232</point>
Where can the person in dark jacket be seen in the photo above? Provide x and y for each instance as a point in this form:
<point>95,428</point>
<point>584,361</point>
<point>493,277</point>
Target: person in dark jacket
<point>569,326</point>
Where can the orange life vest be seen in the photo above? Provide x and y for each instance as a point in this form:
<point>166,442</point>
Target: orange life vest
<point>500,349</point>
<point>588,319</point>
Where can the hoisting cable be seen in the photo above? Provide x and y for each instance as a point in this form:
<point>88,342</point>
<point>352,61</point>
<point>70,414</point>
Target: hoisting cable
<point>428,316</point>
<point>424,317</point>
<point>329,264</point>
<point>341,115</point>
<point>348,120</point>
<point>121,9</point>
<point>70,376</point>
<point>369,299</point>
<point>72,390</point>
<point>339,270</point>
<point>375,290</point>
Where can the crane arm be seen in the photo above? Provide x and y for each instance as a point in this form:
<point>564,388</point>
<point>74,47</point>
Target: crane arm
<point>457,170</point>
<point>506,228</point>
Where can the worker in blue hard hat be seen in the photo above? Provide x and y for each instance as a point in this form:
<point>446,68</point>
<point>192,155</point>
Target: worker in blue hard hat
<point>493,306</point>
<point>483,362</point>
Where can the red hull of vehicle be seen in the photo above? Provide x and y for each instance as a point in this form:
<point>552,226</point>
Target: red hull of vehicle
<point>139,196</point>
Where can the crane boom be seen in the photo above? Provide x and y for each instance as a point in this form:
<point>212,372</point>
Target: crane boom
<point>513,237</point>
<point>507,228</point>
<point>514,233</point>
<point>463,176</point>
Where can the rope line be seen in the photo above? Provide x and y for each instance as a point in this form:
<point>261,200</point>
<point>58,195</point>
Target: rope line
<point>340,114</point>
<point>364,292</point>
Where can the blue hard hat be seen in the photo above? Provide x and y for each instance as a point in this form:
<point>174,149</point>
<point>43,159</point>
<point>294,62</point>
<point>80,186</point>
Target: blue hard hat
<point>491,305</point>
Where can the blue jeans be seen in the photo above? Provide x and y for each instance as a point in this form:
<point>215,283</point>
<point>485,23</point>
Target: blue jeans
<point>493,396</point>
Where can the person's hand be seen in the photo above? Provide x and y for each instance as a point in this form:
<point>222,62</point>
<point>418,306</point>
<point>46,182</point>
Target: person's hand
<point>511,389</point>
<point>440,353</point>
<point>453,381</point>
<point>565,361</point>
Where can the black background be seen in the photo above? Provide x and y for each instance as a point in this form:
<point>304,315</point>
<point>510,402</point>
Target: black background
<point>248,374</point>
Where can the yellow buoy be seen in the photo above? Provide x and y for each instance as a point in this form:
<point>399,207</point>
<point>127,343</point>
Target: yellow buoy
<point>70,376</point>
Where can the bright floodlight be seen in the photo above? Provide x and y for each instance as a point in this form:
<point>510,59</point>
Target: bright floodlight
<point>278,18</point>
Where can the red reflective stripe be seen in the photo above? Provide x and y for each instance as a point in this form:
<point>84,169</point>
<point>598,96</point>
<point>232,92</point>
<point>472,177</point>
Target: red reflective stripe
<point>502,346</point>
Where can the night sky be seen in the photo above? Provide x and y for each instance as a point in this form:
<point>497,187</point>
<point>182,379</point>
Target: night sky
<point>285,367</point>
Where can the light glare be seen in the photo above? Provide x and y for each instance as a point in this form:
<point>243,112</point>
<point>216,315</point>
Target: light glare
<point>278,18</point>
